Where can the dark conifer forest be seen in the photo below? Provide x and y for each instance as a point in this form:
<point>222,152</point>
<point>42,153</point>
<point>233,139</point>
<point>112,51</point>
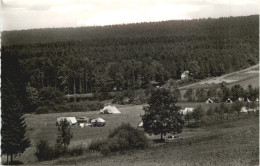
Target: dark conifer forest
<point>119,57</point>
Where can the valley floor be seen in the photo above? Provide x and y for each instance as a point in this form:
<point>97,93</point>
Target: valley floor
<point>227,143</point>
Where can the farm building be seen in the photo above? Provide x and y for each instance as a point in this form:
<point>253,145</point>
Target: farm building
<point>71,120</point>
<point>185,75</point>
<point>109,110</point>
<point>209,101</point>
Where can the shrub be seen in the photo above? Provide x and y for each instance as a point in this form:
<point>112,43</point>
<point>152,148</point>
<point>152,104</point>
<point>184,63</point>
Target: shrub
<point>96,145</point>
<point>105,149</point>
<point>60,108</point>
<point>76,151</point>
<point>71,107</point>
<point>129,137</point>
<point>43,110</point>
<point>44,151</point>
<point>123,138</point>
<point>86,106</point>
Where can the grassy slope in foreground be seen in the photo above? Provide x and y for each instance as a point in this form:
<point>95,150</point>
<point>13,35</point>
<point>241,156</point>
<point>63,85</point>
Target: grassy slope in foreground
<point>229,143</point>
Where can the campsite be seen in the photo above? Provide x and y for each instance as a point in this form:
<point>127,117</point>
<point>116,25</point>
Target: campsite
<point>43,125</point>
<point>171,91</point>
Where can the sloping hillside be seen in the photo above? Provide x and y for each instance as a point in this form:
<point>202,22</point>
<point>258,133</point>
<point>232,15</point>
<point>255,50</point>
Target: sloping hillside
<point>101,59</point>
<point>231,143</point>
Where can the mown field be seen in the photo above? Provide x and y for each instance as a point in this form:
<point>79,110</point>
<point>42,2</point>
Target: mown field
<point>228,143</point>
<point>244,78</point>
<point>43,127</point>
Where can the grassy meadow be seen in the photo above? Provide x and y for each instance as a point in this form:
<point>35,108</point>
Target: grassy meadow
<point>228,143</point>
<point>43,127</point>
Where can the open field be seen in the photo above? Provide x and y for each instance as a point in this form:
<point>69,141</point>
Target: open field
<point>229,143</point>
<point>43,126</point>
<point>247,76</point>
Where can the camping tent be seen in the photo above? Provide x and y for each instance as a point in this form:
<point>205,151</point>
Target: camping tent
<point>141,124</point>
<point>229,100</point>
<point>240,99</point>
<point>186,111</point>
<point>209,101</point>
<point>248,100</point>
<point>98,122</point>
<point>244,109</point>
<point>71,120</point>
<point>109,110</point>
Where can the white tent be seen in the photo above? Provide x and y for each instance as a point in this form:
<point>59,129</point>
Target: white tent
<point>240,99</point>
<point>229,100</point>
<point>248,100</point>
<point>244,109</point>
<point>209,101</point>
<point>141,124</point>
<point>71,120</point>
<point>109,110</point>
<point>186,111</point>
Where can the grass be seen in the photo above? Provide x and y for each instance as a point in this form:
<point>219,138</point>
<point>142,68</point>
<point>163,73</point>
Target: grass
<point>228,143</point>
<point>43,126</point>
<point>244,78</point>
<point>244,83</point>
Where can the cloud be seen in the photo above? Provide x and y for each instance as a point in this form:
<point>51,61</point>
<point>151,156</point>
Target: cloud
<point>26,14</point>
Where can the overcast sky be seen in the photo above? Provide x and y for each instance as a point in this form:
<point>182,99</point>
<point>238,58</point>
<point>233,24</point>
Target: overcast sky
<point>28,14</point>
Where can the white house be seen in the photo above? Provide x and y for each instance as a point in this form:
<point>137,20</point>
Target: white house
<point>185,75</point>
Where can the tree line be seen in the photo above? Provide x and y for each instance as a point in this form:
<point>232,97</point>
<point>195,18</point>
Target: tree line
<point>223,94</point>
<point>121,57</point>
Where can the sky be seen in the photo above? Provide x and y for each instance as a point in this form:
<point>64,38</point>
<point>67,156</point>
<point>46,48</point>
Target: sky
<point>32,14</point>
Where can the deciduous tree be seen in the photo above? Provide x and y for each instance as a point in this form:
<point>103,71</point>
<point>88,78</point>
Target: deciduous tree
<point>162,116</point>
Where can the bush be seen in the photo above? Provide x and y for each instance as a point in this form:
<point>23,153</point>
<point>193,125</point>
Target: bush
<point>76,151</point>
<point>60,108</point>
<point>44,151</point>
<point>86,106</point>
<point>71,107</point>
<point>96,145</point>
<point>123,138</point>
<point>42,110</point>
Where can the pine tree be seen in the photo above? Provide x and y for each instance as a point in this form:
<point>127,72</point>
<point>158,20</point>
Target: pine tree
<point>13,125</point>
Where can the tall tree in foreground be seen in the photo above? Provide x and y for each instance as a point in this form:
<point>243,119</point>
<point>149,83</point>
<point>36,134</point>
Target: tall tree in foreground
<point>64,135</point>
<point>13,140</point>
<point>162,116</point>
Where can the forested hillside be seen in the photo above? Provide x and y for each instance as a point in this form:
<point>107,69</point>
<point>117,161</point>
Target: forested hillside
<point>119,57</point>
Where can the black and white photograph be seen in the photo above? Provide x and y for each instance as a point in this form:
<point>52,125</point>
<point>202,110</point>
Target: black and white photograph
<point>130,82</point>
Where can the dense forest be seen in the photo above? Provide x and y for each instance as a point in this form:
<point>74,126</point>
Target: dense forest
<point>120,57</point>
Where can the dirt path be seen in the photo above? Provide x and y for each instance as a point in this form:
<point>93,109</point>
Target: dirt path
<point>218,79</point>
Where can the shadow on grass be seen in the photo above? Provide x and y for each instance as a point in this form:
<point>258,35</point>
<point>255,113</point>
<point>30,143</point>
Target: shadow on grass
<point>15,162</point>
<point>159,141</point>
